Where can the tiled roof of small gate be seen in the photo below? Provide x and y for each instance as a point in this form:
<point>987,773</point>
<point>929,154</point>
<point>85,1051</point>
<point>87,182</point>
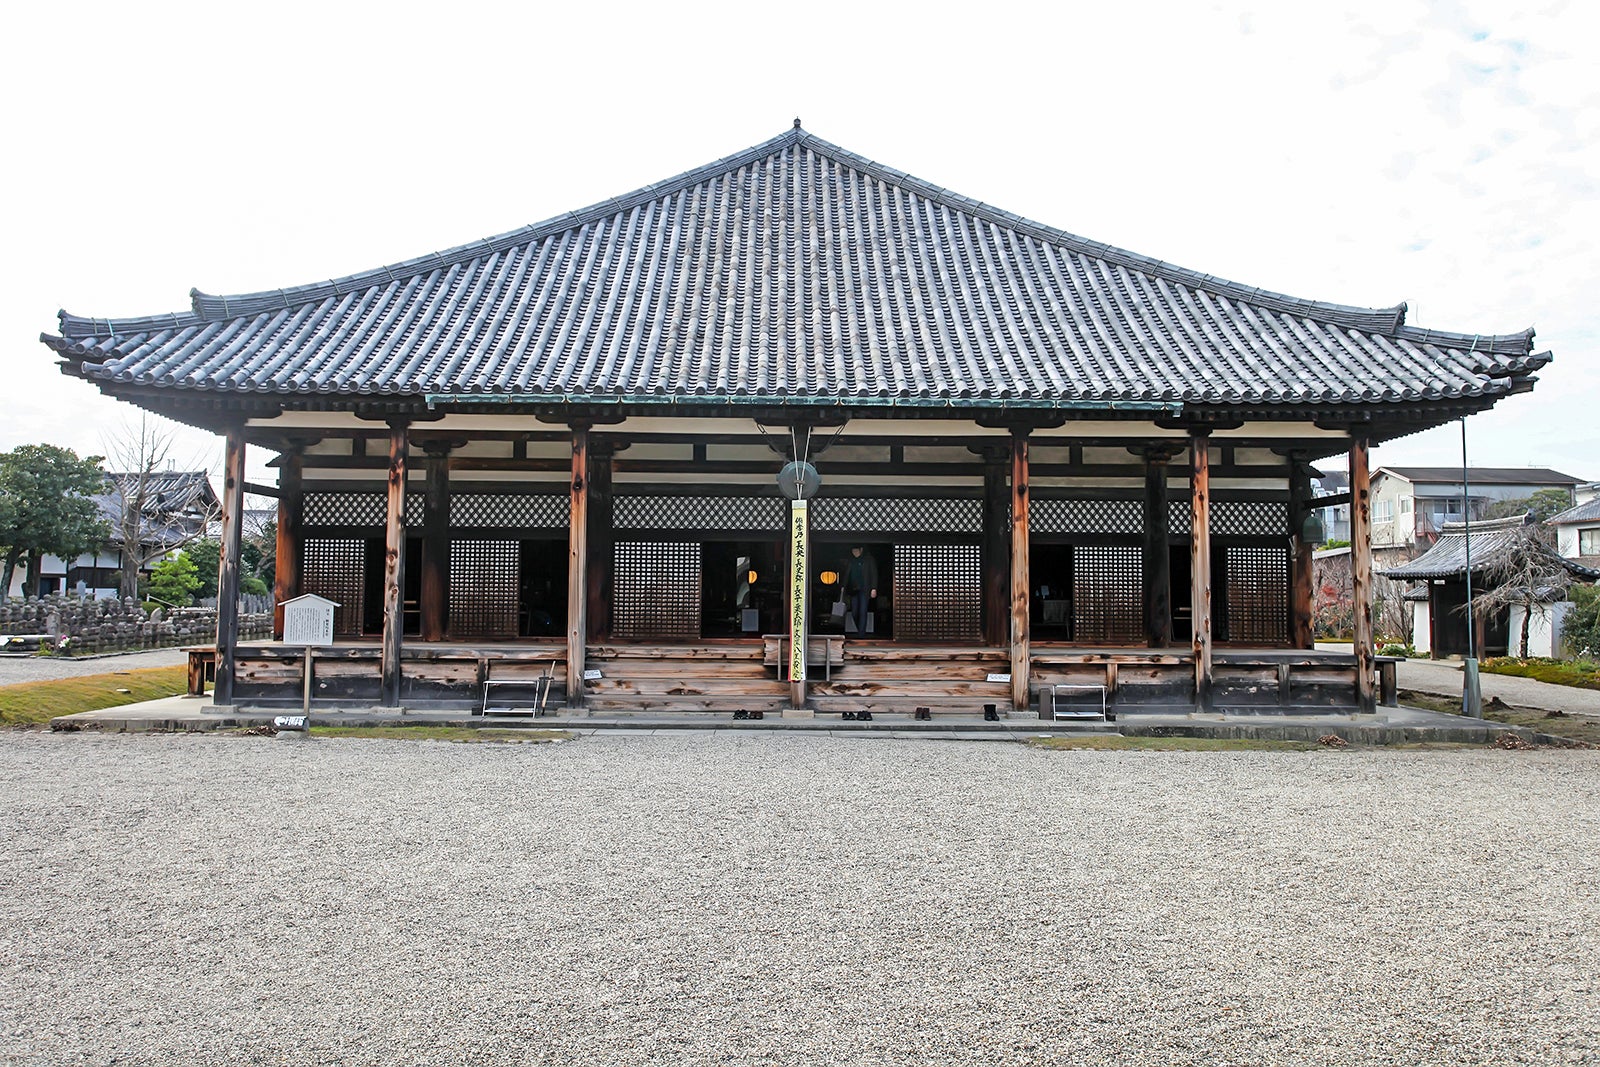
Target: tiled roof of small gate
<point>1589,511</point>
<point>796,271</point>
<point>1491,539</point>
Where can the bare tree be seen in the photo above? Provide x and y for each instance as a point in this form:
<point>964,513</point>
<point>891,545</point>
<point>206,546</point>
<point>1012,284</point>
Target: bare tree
<point>1526,573</point>
<point>155,510</point>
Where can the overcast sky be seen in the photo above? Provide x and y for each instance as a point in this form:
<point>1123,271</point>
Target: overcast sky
<point>1444,154</point>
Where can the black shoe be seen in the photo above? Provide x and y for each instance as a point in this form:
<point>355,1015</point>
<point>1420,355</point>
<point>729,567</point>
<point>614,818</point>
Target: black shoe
<point>849,715</point>
<point>867,715</point>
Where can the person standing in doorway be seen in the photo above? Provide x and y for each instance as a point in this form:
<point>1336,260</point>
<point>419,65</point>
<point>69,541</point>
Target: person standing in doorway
<point>860,586</point>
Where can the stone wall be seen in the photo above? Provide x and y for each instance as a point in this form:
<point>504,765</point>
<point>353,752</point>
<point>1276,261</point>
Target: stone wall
<point>120,625</point>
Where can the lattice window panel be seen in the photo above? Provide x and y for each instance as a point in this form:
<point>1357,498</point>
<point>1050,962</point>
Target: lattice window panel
<point>337,569</point>
<point>483,589</point>
<point>875,515</point>
<point>345,509</point>
<point>1249,518</point>
<point>1086,516</point>
<point>1107,594</point>
<point>504,510</point>
<point>937,593</point>
<point>701,513</point>
<point>1234,518</point>
<point>655,590</point>
<point>1258,595</point>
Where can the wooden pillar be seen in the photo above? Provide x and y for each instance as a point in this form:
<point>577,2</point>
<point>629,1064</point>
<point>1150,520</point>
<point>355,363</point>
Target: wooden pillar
<point>289,555</point>
<point>578,567</point>
<point>1361,573</point>
<point>228,564</point>
<point>434,592</point>
<point>602,520</point>
<point>1301,566</point>
<point>394,568</point>
<point>1200,564</point>
<point>994,556</point>
<point>1020,693</point>
<point>1157,547</point>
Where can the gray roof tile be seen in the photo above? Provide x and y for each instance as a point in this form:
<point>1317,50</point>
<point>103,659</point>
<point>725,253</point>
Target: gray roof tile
<point>797,270</point>
<point>1491,539</point>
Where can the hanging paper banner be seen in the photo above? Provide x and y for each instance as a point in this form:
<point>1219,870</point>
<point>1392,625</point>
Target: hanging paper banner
<point>799,590</point>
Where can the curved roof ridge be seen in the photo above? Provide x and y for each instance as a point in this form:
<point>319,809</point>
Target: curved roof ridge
<point>207,307</point>
<point>1377,320</point>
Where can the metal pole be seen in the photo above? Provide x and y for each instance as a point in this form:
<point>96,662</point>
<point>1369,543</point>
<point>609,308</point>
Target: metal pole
<point>1471,691</point>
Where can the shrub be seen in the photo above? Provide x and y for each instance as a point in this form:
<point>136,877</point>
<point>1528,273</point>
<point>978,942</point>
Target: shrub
<point>174,581</point>
<point>1582,623</point>
<point>1396,649</point>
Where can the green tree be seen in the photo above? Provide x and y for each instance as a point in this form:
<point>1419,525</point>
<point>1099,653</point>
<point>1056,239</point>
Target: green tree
<point>206,554</point>
<point>45,507</point>
<point>1582,623</point>
<point>1543,504</point>
<point>174,581</point>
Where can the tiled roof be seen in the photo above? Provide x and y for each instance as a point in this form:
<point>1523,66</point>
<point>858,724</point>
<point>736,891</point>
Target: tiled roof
<point>1485,475</point>
<point>1491,540</point>
<point>1588,511</point>
<point>797,272</point>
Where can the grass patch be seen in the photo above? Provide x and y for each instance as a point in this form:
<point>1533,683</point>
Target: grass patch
<point>33,703</point>
<point>1119,743</point>
<point>469,735</point>
<point>1571,727</point>
<point>1579,673</point>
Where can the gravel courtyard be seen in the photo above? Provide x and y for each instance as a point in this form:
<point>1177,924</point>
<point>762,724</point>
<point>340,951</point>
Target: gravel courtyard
<point>721,898</point>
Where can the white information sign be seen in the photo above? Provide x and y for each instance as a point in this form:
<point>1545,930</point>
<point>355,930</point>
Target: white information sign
<point>308,620</point>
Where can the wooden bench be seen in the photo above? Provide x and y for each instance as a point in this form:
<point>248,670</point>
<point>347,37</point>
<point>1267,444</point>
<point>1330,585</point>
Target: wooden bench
<point>202,668</point>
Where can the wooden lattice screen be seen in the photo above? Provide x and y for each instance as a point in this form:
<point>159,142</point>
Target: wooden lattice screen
<point>483,589</point>
<point>1258,595</point>
<point>701,513</point>
<point>937,593</point>
<point>655,590</point>
<point>337,569</point>
<point>1107,594</point>
<point>885,515</point>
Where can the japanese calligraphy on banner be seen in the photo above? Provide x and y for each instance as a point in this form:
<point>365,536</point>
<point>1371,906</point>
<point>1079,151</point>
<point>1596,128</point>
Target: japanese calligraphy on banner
<point>799,591</point>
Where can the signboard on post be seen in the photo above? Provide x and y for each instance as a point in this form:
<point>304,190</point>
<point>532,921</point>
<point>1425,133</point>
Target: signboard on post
<point>799,590</point>
<point>308,621</point>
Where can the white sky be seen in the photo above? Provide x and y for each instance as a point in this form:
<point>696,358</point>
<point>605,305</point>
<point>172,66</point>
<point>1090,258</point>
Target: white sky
<point>1445,154</point>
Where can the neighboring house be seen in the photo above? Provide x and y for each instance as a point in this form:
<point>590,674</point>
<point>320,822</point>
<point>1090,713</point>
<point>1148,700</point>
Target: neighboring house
<point>1411,505</point>
<point>1578,529</point>
<point>1440,618</point>
<point>178,505</point>
<point>1335,519</point>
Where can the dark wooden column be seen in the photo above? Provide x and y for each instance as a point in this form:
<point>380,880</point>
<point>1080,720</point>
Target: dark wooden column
<point>994,551</point>
<point>394,567</point>
<point>289,555</point>
<point>1157,545</point>
<point>602,521</point>
<point>434,592</point>
<point>1020,693</point>
<point>228,564</point>
<point>1361,573</point>
<point>1301,567</point>
<point>578,567</point>
<point>1200,564</point>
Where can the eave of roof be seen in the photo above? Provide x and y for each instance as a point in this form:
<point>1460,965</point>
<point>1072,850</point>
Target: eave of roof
<point>953,317</point>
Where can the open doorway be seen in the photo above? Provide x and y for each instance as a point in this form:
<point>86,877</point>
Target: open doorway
<point>741,589</point>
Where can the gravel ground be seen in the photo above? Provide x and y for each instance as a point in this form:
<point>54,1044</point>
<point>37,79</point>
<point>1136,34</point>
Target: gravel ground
<point>14,669</point>
<point>718,898</point>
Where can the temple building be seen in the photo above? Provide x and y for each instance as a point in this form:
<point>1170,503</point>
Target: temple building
<point>555,453</point>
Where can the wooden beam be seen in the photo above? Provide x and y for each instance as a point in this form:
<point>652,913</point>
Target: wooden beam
<point>1361,573</point>
<point>394,569</point>
<point>290,550</point>
<point>1301,565</point>
<point>1157,551</point>
<point>578,567</point>
<point>994,556</point>
<point>1021,695</point>
<point>257,489</point>
<point>602,540</point>
<point>1200,565</point>
<point>228,564</point>
<point>434,591</point>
